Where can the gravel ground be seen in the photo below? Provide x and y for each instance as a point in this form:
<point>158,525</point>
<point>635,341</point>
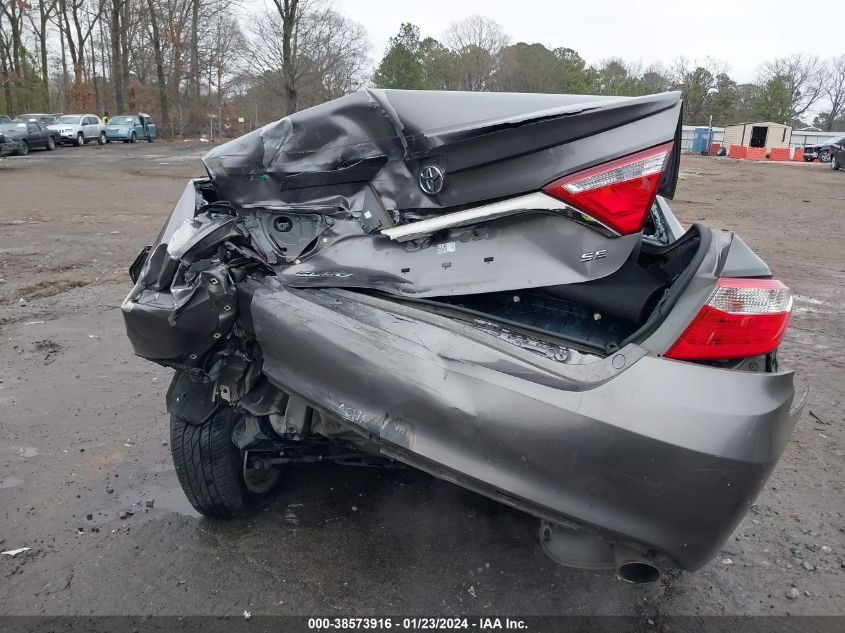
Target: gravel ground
<point>83,436</point>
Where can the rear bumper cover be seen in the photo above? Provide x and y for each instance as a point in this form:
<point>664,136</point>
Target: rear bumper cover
<point>664,453</point>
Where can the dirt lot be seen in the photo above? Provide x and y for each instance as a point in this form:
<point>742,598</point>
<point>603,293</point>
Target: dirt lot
<point>83,437</point>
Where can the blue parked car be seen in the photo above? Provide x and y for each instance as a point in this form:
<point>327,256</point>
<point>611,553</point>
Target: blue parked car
<point>129,128</point>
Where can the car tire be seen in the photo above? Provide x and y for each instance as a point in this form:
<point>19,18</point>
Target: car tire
<point>834,164</point>
<point>80,140</point>
<point>51,143</point>
<point>210,467</point>
<point>150,139</point>
<point>24,149</point>
<point>133,138</point>
<point>101,139</point>
<point>824,156</point>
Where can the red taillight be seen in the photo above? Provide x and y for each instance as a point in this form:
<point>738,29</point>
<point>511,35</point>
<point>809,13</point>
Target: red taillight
<point>619,194</point>
<point>743,317</point>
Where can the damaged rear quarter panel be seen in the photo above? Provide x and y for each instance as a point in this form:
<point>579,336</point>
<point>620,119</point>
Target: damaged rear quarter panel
<point>554,439</point>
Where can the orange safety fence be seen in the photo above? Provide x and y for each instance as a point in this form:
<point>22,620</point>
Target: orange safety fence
<point>799,154</point>
<point>756,153</point>
<point>738,151</point>
<point>779,153</point>
<point>714,148</point>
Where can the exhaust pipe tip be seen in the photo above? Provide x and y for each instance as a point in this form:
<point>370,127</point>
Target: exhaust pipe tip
<point>578,548</point>
<point>633,567</point>
<point>638,573</point>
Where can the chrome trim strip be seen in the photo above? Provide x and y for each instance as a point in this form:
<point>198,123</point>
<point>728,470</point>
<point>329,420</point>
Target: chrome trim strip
<point>529,203</point>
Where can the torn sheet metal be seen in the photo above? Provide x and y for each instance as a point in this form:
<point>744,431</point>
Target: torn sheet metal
<point>187,283</point>
<point>335,195</point>
<point>531,251</point>
<point>317,199</point>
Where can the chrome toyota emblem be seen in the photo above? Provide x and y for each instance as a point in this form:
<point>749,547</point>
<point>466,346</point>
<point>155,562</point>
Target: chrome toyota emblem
<point>431,179</point>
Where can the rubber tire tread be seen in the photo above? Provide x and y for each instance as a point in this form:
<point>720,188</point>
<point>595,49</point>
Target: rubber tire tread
<point>209,466</point>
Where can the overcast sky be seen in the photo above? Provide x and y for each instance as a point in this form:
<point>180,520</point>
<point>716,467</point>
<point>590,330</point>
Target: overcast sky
<point>743,33</point>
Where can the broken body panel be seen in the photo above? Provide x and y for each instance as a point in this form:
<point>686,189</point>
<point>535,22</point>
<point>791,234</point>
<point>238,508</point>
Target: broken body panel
<point>486,332</point>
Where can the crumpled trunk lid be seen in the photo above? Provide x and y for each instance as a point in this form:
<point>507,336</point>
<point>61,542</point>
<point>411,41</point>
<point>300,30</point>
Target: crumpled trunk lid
<point>329,194</point>
<point>488,146</point>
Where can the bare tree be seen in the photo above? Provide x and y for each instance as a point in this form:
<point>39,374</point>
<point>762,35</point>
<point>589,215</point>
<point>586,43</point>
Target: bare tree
<point>478,41</point>
<point>332,54</point>
<point>77,20</point>
<point>155,32</point>
<point>800,75</point>
<point>289,12</point>
<point>833,85</point>
<point>12,45</point>
<point>225,57</point>
<point>329,52</point>
<point>40,18</point>
<point>118,18</point>
<point>7,74</point>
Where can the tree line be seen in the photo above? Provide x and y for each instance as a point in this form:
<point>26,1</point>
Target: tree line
<point>476,54</point>
<point>198,66</point>
<point>204,66</point>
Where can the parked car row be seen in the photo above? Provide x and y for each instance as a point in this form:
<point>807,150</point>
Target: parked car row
<point>46,131</point>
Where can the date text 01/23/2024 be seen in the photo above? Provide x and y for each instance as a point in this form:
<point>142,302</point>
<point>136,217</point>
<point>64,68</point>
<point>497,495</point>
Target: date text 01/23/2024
<point>418,624</point>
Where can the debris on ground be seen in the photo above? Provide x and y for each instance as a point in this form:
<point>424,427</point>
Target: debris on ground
<point>818,419</point>
<point>15,552</point>
<point>792,593</point>
<point>471,591</point>
<point>247,614</point>
<point>49,348</point>
<point>149,503</point>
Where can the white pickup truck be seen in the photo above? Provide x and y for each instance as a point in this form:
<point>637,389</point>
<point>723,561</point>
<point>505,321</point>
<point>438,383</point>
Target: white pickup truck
<point>79,129</point>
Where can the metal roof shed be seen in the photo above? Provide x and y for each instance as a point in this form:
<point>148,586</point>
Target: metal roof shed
<point>761,134</point>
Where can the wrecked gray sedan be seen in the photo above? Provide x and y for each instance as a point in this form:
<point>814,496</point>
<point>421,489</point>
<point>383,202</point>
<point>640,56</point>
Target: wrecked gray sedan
<point>488,287</point>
